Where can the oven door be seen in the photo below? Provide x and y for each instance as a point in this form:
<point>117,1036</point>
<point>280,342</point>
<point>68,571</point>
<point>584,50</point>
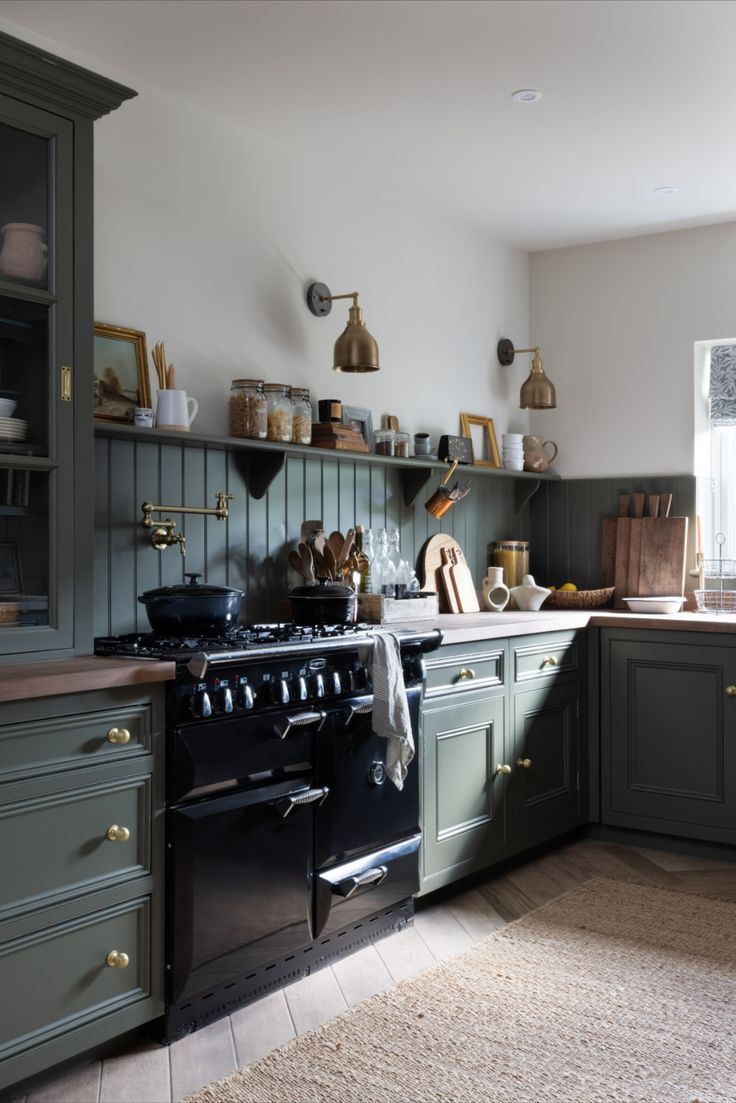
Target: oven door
<point>364,809</point>
<point>351,891</point>
<point>239,883</point>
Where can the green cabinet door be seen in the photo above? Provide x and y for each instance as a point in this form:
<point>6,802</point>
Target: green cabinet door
<point>668,734</point>
<point>545,783</point>
<point>462,794</point>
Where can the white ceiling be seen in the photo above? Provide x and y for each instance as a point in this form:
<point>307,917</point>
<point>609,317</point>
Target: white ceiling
<point>414,96</point>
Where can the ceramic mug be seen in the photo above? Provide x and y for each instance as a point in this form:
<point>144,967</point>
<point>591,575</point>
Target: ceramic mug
<point>175,410</point>
<point>142,417</point>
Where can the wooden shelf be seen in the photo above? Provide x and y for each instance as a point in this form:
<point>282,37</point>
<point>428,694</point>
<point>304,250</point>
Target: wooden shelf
<point>261,460</point>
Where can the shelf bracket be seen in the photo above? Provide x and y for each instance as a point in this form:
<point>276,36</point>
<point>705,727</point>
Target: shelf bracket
<point>259,469</point>
<point>412,481</point>
<point>524,489</point>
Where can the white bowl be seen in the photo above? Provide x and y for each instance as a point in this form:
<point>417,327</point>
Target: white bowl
<point>654,604</point>
<point>7,407</point>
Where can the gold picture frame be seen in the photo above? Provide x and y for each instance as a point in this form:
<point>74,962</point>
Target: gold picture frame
<point>120,372</point>
<point>488,439</point>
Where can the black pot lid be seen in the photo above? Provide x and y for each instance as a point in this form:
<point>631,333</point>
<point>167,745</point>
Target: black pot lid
<point>190,589</point>
<point>323,588</point>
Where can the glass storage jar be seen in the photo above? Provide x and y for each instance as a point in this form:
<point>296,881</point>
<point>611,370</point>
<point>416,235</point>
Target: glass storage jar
<point>302,429</point>
<point>280,415</point>
<point>385,441</point>
<point>402,445</point>
<point>248,409</point>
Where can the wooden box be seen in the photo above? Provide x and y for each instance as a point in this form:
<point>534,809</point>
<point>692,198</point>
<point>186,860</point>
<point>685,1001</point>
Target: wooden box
<point>377,609</point>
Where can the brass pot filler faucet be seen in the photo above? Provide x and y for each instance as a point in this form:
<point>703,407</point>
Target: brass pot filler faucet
<point>164,536</point>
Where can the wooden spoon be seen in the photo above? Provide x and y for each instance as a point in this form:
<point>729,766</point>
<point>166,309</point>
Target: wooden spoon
<point>336,541</point>
<point>347,547</point>
<point>307,561</point>
<point>330,562</point>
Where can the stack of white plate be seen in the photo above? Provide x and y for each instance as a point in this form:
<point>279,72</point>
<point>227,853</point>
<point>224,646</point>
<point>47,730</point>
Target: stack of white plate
<point>13,429</point>
<point>513,451</point>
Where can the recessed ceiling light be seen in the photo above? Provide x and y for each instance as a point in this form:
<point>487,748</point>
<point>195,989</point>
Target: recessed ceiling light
<point>526,95</point>
<point>665,191</point>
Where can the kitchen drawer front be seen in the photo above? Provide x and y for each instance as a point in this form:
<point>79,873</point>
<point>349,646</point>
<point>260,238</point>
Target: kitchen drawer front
<point>460,667</point>
<point>61,978</point>
<point>544,656</point>
<point>53,743</point>
<point>56,846</point>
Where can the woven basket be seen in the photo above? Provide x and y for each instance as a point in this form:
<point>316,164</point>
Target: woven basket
<point>578,599</point>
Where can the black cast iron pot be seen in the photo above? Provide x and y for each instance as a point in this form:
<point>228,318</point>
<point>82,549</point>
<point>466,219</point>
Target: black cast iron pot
<point>192,609</point>
<point>323,602</point>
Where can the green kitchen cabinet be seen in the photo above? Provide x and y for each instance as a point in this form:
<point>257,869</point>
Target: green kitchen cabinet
<point>47,109</point>
<point>81,896</point>
<point>500,751</point>
<point>668,733</point>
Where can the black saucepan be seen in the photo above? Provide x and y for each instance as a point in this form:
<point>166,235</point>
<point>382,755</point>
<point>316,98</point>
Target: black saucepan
<point>191,608</point>
<point>323,602</point>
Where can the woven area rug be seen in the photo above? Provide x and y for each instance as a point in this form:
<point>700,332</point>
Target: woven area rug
<point>611,993</point>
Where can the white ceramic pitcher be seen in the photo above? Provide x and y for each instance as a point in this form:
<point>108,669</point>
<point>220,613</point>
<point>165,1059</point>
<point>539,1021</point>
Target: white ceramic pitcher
<point>175,411</point>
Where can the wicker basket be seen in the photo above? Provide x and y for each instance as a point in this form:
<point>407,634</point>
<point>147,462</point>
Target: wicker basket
<point>579,599</point>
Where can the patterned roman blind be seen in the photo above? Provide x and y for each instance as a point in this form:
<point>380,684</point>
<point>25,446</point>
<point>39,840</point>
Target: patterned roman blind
<point>723,385</point>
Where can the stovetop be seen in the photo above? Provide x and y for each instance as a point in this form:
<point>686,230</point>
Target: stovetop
<point>257,638</point>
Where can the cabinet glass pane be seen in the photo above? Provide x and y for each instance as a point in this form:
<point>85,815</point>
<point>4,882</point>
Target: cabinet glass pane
<point>24,547</point>
<point>24,206</point>
<point>24,386</point>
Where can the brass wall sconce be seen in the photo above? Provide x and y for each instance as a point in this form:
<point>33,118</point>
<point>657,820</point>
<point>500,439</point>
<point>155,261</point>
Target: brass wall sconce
<point>355,349</point>
<point>164,536</point>
<point>537,392</point>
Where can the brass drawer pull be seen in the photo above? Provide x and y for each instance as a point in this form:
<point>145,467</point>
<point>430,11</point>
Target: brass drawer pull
<point>118,735</point>
<point>116,959</point>
<point>549,660</point>
<point>466,674</point>
<point>525,763</point>
<point>117,834</point>
<point>503,769</point>
<point>731,691</point>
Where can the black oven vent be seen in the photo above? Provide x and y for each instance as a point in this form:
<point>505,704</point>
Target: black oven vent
<point>200,1010</point>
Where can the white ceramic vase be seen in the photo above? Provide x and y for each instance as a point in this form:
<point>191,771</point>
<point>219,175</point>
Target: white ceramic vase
<point>496,593</point>
<point>529,596</point>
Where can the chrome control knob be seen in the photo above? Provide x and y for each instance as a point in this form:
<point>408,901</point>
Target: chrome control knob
<point>335,683</point>
<point>356,679</point>
<point>280,692</point>
<point>302,690</point>
<point>319,686</point>
<point>247,700</point>
<point>224,700</point>
<point>200,705</point>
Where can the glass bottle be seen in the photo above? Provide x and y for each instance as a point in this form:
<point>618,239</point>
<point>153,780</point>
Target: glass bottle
<point>370,554</point>
<point>384,572</point>
<point>280,413</point>
<point>247,410</point>
<point>362,562</point>
<point>302,428</point>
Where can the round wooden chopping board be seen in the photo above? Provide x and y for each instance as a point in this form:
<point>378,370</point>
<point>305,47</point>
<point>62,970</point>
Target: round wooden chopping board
<point>430,561</point>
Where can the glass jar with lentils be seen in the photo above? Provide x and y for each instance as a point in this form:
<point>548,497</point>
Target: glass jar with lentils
<point>248,415</point>
<point>280,414</point>
<point>302,429</point>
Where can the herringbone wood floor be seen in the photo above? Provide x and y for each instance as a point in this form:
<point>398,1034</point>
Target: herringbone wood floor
<point>148,1073</point>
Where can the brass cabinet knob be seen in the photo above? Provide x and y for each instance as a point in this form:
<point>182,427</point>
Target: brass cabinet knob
<point>466,674</point>
<point>549,660</point>
<point>116,959</point>
<point>117,834</point>
<point>503,769</point>
<point>118,735</point>
<point>731,691</point>
<point>525,763</point>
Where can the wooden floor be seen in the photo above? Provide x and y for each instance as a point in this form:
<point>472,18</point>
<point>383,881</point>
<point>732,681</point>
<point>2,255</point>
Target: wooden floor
<point>148,1073</point>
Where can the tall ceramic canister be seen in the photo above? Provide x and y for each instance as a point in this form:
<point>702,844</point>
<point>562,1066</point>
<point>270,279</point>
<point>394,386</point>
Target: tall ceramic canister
<point>495,593</point>
<point>23,253</point>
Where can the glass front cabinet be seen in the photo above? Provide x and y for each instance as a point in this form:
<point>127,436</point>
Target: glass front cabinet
<point>47,109</point>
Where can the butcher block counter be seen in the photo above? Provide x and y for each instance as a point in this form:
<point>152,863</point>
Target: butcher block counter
<point>79,675</point>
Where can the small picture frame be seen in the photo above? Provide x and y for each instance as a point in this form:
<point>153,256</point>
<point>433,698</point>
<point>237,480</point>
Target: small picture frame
<point>120,372</point>
<point>483,439</point>
<point>11,580</point>
<point>360,419</point>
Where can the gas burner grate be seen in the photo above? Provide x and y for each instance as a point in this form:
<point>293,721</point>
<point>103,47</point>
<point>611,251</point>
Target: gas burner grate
<point>246,637</point>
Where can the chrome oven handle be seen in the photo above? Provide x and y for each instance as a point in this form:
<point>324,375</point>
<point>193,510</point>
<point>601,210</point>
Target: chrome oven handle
<point>350,885</point>
<point>306,796</point>
<point>359,710</point>
<point>297,720</point>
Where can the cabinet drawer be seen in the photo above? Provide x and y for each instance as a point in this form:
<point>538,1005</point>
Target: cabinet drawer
<point>57,846</point>
<point>544,656</point>
<point>45,745</point>
<point>61,978</point>
<point>458,668</point>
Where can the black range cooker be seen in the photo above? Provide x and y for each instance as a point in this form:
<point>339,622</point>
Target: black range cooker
<point>286,843</point>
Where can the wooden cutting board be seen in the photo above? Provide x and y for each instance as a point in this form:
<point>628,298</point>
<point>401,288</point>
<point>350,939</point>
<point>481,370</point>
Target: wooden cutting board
<point>430,563</point>
<point>448,586</point>
<point>623,533</point>
<point>608,551</point>
<point>467,596</point>
<point>661,567</point>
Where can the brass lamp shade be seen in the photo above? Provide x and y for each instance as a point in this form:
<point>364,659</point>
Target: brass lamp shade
<point>537,392</point>
<point>355,349</point>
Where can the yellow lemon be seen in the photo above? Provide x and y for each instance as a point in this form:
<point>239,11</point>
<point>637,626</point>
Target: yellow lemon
<point>569,586</point>
<point>551,587</point>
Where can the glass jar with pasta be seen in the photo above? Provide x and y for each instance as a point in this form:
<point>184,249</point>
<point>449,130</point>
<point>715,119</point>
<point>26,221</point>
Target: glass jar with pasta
<point>302,429</point>
<point>247,411</point>
<point>280,413</point>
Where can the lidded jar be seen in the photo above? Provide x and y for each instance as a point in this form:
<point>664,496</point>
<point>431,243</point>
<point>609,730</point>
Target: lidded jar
<point>302,429</point>
<point>280,413</point>
<point>248,409</point>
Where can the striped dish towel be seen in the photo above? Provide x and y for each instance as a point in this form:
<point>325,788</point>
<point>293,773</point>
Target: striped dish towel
<point>391,717</point>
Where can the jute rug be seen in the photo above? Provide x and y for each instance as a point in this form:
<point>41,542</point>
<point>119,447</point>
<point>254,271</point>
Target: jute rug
<point>612,993</point>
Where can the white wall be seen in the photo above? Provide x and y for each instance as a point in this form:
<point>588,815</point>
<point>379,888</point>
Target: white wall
<point>616,323</point>
<point>207,235</point>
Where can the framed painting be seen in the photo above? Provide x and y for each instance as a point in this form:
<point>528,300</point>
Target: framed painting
<point>120,372</point>
<point>360,419</point>
<point>483,439</point>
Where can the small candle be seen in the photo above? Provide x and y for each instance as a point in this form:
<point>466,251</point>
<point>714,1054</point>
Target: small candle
<point>700,538</point>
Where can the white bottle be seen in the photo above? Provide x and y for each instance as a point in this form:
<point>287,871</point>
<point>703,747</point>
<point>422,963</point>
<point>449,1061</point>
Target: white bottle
<point>496,593</point>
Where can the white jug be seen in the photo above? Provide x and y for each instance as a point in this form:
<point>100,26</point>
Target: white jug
<point>175,411</point>
<point>495,592</point>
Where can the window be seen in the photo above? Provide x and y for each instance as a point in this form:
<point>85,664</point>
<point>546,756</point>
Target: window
<point>715,438</point>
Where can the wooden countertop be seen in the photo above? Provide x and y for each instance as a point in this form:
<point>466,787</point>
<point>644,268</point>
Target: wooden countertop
<point>21,681</point>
